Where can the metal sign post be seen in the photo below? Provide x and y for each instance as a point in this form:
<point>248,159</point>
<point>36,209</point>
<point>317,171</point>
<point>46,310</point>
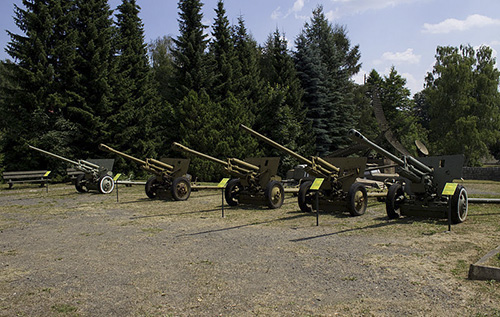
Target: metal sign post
<point>315,187</point>
<point>47,181</point>
<point>449,190</point>
<point>222,186</point>
<point>115,179</point>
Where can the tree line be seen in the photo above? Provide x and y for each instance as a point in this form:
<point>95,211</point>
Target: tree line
<point>81,74</point>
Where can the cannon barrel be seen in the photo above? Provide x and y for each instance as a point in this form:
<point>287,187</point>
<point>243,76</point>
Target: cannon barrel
<point>180,147</point>
<point>299,157</point>
<point>106,148</point>
<point>149,165</point>
<point>418,167</point>
<point>79,163</point>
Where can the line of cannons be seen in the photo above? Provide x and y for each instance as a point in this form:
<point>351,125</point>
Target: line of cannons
<point>416,192</point>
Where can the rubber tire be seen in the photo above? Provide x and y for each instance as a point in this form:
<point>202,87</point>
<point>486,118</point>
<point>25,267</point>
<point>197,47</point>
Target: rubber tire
<point>232,190</point>
<point>181,189</point>
<point>352,196</point>
<point>459,205</point>
<point>303,196</point>
<point>106,184</point>
<point>275,194</point>
<point>78,184</point>
<point>395,196</point>
<point>150,187</point>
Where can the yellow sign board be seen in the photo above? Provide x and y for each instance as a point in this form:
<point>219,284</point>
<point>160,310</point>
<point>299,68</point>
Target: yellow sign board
<point>449,189</point>
<point>223,182</point>
<point>317,183</point>
<point>117,176</point>
<point>46,174</point>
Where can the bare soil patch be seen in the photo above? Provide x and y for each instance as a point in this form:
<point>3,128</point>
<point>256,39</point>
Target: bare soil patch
<point>65,253</point>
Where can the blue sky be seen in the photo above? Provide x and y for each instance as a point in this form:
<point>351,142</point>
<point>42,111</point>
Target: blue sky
<point>403,33</point>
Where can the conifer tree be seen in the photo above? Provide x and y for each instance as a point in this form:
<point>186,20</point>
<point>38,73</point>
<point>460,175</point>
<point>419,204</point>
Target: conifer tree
<point>95,66</point>
<point>281,115</point>
<point>36,89</point>
<point>189,52</point>
<point>134,97</point>
<point>222,55</point>
<point>325,62</point>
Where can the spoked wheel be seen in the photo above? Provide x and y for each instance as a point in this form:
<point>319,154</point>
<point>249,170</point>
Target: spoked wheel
<point>459,205</point>
<point>106,184</point>
<point>181,188</point>
<point>395,197</point>
<point>305,197</point>
<point>151,187</point>
<point>79,185</point>
<point>357,199</point>
<point>275,194</point>
<point>232,191</point>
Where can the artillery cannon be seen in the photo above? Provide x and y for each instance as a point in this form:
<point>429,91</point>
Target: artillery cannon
<point>170,175</point>
<point>421,182</point>
<point>254,179</point>
<point>339,190</point>
<point>94,177</point>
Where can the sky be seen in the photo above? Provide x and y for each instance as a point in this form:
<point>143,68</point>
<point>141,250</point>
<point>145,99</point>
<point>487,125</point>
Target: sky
<point>399,33</point>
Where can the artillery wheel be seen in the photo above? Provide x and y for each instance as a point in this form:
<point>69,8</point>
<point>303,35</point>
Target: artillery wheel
<point>78,184</point>
<point>395,197</point>
<point>305,197</point>
<point>459,205</point>
<point>151,187</point>
<point>106,184</point>
<point>275,194</point>
<point>181,188</point>
<point>232,191</point>
<point>357,199</point>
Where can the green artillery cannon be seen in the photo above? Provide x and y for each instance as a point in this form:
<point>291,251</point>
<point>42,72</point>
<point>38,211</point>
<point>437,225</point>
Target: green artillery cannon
<point>339,190</point>
<point>94,177</point>
<point>254,179</point>
<point>170,175</point>
<point>418,191</point>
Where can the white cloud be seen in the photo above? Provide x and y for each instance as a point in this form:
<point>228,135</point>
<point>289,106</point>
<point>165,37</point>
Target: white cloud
<point>451,25</point>
<point>276,13</point>
<point>351,7</point>
<point>396,58</point>
<point>298,6</point>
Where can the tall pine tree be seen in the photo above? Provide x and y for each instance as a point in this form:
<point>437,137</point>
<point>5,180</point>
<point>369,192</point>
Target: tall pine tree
<point>95,65</point>
<point>43,70</point>
<point>325,62</point>
<point>134,97</point>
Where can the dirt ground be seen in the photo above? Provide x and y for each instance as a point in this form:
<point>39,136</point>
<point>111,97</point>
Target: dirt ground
<point>68,254</point>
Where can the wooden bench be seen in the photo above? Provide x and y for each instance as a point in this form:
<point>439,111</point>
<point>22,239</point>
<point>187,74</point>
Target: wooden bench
<point>14,177</point>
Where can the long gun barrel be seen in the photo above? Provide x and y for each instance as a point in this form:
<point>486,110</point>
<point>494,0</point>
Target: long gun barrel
<point>149,164</point>
<point>77,164</point>
<point>276,145</point>
<point>180,147</point>
<point>320,166</point>
<point>234,164</point>
<point>414,168</point>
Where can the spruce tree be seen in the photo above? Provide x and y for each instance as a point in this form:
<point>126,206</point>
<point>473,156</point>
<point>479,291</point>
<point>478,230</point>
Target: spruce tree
<point>189,52</point>
<point>36,90</point>
<point>134,97</point>
<point>281,115</point>
<point>95,66</point>
<point>325,62</point>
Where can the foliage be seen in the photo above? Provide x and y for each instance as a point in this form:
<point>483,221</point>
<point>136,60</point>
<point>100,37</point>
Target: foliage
<point>463,102</point>
<point>325,62</point>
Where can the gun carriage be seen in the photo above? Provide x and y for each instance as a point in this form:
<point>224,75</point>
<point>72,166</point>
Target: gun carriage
<point>169,180</point>
<point>94,176</point>
<point>339,190</point>
<point>418,189</point>
<point>254,180</point>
